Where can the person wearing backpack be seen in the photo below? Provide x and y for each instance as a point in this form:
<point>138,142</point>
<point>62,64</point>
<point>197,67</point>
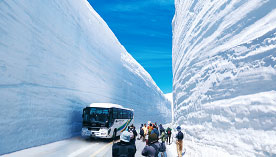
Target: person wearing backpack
<point>161,129</point>
<point>163,138</point>
<point>169,134</point>
<point>153,148</point>
<point>124,148</point>
<point>155,131</point>
<point>179,141</point>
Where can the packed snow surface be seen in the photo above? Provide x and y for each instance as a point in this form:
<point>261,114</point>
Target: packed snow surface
<point>224,68</point>
<point>56,57</point>
<point>169,96</point>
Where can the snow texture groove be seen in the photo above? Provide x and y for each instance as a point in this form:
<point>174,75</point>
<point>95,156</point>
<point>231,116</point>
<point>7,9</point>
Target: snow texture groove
<point>224,69</point>
<point>56,57</point>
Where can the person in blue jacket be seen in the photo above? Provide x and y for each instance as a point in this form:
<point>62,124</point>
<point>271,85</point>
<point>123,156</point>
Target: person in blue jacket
<point>155,131</point>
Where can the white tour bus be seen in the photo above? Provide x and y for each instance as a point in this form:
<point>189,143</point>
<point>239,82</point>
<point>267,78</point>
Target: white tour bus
<point>105,120</point>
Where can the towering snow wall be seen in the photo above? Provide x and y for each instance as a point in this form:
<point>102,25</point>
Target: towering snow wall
<point>224,69</point>
<point>56,57</point>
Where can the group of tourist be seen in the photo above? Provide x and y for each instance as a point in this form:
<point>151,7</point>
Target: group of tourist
<point>150,133</point>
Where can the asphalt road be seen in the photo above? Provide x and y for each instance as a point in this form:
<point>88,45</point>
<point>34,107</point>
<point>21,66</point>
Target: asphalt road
<point>74,147</point>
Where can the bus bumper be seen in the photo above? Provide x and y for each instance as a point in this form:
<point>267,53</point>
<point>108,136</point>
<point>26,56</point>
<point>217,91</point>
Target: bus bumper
<point>95,134</point>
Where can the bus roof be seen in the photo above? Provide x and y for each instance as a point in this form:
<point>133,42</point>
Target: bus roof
<point>107,105</point>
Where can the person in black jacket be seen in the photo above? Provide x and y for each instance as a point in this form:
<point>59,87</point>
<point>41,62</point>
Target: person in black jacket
<point>161,129</point>
<point>134,133</point>
<point>152,149</point>
<point>179,141</point>
<point>141,132</point>
<point>124,148</point>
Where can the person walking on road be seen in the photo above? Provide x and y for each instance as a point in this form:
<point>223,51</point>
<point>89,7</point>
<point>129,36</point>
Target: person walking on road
<point>169,134</point>
<point>156,126</point>
<point>163,138</point>
<point>150,128</point>
<point>161,129</point>
<point>141,133</point>
<point>179,141</point>
<point>145,132</point>
<point>124,148</point>
<point>155,130</point>
<point>153,147</point>
<point>132,130</point>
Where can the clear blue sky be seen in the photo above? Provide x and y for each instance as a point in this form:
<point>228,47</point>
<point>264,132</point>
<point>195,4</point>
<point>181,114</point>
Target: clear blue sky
<point>144,28</point>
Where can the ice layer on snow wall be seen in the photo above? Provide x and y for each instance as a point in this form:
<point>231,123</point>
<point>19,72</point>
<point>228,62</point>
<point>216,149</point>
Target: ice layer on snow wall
<point>56,57</point>
<point>224,69</point>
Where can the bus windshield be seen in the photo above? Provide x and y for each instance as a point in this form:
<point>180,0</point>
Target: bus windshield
<point>97,116</point>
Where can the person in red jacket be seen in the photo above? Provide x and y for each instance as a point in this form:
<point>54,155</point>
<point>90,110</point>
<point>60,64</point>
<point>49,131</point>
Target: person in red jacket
<point>150,128</point>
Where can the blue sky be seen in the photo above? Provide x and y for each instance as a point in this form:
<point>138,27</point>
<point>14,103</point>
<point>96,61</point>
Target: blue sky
<point>144,28</point>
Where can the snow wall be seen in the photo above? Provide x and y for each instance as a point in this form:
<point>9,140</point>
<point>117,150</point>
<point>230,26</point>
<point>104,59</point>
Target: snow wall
<point>224,69</point>
<point>56,57</point>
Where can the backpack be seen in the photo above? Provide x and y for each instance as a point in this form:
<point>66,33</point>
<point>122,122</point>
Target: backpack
<point>169,131</point>
<point>123,152</point>
<point>150,129</point>
<point>156,150</point>
<point>162,147</point>
<point>180,136</point>
<point>161,151</point>
<point>166,136</point>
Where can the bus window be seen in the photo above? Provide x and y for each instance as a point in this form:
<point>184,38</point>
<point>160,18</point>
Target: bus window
<point>120,114</point>
<point>115,113</point>
<point>125,114</point>
<point>99,115</point>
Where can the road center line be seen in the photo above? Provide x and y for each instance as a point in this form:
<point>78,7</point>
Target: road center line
<point>100,150</point>
<point>79,151</point>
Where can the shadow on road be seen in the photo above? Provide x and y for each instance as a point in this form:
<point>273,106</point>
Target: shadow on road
<point>101,140</point>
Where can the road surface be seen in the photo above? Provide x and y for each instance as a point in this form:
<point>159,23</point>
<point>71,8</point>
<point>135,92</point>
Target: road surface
<point>74,147</point>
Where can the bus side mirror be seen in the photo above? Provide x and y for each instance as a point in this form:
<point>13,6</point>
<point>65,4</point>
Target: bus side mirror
<point>82,115</point>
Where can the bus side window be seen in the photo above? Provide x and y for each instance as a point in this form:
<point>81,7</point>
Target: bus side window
<point>115,113</point>
<point>120,114</point>
<point>125,114</point>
